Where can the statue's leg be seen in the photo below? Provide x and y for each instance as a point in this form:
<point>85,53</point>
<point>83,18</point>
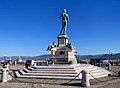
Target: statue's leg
<point>64,32</point>
<point>61,31</point>
<point>64,29</point>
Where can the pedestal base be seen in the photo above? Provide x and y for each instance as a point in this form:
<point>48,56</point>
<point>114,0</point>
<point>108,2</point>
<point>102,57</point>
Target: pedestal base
<point>63,60</point>
<point>63,53</point>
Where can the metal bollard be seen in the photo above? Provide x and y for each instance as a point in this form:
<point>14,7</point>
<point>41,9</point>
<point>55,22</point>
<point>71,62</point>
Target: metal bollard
<point>119,74</point>
<point>34,64</point>
<point>4,75</point>
<point>85,78</point>
<point>15,62</point>
<point>109,66</point>
<point>53,63</point>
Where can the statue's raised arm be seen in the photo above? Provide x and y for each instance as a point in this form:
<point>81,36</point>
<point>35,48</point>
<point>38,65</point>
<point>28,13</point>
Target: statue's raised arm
<point>65,21</point>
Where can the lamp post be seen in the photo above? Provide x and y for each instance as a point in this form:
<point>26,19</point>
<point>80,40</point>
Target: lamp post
<point>4,57</point>
<point>110,53</point>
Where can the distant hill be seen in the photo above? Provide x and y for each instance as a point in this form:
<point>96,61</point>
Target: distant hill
<point>45,57</point>
<point>83,57</point>
<point>15,57</point>
<point>101,56</point>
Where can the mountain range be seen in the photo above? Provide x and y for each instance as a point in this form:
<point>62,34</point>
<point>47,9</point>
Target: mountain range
<point>82,57</point>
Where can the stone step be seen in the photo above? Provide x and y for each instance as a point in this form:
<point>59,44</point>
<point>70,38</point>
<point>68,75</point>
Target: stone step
<point>45,71</point>
<point>44,77</point>
<point>98,75</point>
<point>93,69</point>
<point>53,67</point>
<point>47,74</point>
<point>50,69</point>
<point>89,69</point>
<point>97,71</point>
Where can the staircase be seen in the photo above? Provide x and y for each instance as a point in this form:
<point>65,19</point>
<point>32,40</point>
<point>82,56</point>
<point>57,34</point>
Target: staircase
<point>94,71</point>
<point>48,72</point>
<point>61,72</point>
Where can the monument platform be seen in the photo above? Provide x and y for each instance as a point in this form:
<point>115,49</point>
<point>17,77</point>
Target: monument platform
<point>61,72</point>
<point>63,53</point>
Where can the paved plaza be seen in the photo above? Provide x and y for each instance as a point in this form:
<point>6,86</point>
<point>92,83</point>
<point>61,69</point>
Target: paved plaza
<point>106,82</point>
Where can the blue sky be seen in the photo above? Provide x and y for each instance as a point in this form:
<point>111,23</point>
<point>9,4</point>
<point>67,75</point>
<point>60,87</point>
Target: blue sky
<point>27,27</point>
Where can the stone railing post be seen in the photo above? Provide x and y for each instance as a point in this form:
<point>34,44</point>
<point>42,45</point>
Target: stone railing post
<point>85,78</point>
<point>4,75</point>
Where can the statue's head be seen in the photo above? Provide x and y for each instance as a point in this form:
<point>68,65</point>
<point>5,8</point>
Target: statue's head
<point>64,10</point>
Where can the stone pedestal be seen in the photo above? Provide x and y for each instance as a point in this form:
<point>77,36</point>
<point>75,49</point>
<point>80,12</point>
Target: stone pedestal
<point>62,40</point>
<point>4,75</point>
<point>62,54</point>
<point>109,66</point>
<point>85,78</point>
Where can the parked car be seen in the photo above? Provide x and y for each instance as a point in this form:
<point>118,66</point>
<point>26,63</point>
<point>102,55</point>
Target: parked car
<point>103,63</point>
<point>99,62</point>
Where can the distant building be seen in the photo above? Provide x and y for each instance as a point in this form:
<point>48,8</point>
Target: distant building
<point>115,62</point>
<point>19,59</point>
